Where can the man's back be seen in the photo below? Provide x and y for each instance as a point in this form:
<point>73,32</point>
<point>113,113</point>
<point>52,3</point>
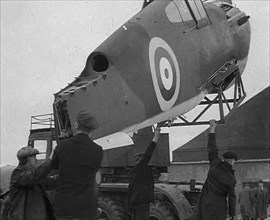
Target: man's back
<point>77,160</point>
<point>221,178</point>
<point>219,185</point>
<point>141,185</point>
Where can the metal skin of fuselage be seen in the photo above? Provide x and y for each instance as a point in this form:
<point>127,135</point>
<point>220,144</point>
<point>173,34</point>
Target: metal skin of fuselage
<point>153,67</point>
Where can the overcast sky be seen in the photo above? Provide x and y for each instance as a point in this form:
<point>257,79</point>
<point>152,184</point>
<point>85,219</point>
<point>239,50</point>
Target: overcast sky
<point>44,45</point>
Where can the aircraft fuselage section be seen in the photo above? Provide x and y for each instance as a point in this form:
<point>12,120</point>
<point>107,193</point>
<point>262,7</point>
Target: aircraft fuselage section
<point>153,66</point>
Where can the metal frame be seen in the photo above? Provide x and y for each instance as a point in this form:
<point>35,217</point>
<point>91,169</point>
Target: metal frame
<point>220,99</point>
<point>42,121</point>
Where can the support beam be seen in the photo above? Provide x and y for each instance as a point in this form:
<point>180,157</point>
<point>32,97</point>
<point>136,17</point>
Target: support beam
<point>219,99</point>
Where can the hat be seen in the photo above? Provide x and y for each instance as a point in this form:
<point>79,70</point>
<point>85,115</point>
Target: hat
<point>260,181</point>
<point>26,152</point>
<point>230,155</point>
<point>86,121</point>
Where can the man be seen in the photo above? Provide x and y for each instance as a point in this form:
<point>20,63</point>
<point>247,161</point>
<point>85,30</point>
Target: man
<point>262,199</point>
<point>77,159</point>
<point>246,201</point>
<point>28,199</point>
<point>141,183</point>
<point>219,185</point>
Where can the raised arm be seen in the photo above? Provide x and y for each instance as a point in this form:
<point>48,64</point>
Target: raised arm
<point>28,178</point>
<point>212,146</point>
<point>150,149</point>
<point>55,159</point>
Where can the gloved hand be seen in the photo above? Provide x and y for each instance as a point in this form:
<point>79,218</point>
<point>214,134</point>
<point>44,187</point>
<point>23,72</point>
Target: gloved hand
<point>213,125</point>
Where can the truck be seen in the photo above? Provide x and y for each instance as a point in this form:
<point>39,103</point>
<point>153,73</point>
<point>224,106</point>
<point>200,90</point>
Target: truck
<point>176,192</point>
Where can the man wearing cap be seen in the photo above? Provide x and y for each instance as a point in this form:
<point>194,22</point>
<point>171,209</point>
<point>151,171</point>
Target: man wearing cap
<point>141,183</point>
<point>77,159</point>
<point>219,185</point>
<point>27,198</point>
<point>262,200</point>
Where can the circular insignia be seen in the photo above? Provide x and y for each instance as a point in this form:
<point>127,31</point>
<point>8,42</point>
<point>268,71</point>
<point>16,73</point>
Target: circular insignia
<point>165,72</point>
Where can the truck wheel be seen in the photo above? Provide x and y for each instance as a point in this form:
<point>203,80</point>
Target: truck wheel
<point>111,209</point>
<point>160,211</point>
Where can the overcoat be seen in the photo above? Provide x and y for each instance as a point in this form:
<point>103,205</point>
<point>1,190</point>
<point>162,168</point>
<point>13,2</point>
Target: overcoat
<point>219,185</point>
<point>77,160</point>
<point>27,198</point>
<point>141,183</point>
<point>246,201</point>
<point>262,199</point>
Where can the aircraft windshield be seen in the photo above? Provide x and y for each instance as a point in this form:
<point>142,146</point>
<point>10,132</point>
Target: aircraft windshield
<point>191,12</point>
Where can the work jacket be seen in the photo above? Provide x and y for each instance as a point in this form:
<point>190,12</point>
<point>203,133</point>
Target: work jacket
<point>77,160</point>
<point>27,198</point>
<point>219,185</point>
<point>141,183</point>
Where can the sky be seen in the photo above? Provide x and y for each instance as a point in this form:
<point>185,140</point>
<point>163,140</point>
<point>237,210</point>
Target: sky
<point>44,46</point>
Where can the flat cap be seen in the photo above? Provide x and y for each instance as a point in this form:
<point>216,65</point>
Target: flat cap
<point>230,155</point>
<point>26,152</point>
<point>260,181</point>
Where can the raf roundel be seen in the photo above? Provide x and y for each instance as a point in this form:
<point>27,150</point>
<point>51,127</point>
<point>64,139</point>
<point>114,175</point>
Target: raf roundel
<point>165,73</point>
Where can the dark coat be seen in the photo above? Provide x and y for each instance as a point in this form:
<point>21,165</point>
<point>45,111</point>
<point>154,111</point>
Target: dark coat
<point>77,160</point>
<point>28,199</point>
<point>219,185</point>
<point>246,200</point>
<point>141,183</point>
<point>261,199</point>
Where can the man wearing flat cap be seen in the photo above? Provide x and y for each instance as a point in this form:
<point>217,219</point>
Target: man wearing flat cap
<point>141,183</point>
<point>77,159</point>
<point>27,198</point>
<point>262,201</point>
<point>218,198</point>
